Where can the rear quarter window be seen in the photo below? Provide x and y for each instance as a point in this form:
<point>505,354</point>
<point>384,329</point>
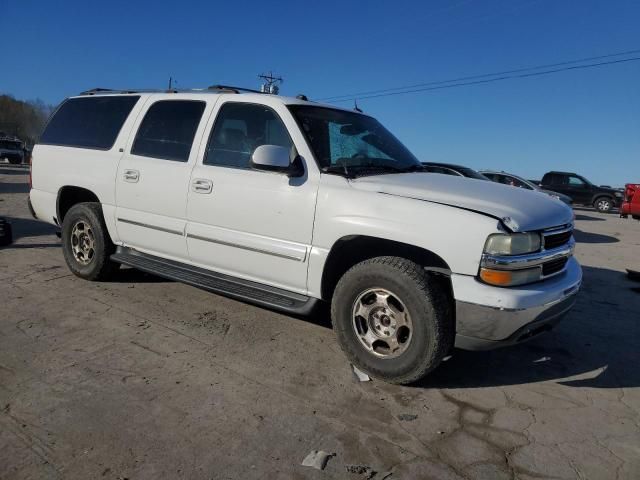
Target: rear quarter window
<point>91,122</point>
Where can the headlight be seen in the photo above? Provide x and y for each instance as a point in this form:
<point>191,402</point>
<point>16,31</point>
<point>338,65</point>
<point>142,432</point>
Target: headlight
<point>512,244</point>
<point>618,194</point>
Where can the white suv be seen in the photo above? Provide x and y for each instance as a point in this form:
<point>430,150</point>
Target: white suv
<point>284,202</point>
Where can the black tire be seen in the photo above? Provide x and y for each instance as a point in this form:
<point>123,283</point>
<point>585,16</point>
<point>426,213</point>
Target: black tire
<point>98,266</point>
<point>426,301</point>
<point>15,161</point>
<point>603,204</point>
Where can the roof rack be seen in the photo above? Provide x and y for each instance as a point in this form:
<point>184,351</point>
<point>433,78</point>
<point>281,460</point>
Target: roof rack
<point>230,88</point>
<point>212,88</point>
<point>95,91</point>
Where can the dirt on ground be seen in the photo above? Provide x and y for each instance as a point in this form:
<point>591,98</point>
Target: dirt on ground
<point>144,378</point>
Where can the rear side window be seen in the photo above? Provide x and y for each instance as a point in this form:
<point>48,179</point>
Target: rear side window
<point>514,182</point>
<point>554,179</point>
<point>168,129</point>
<point>88,122</point>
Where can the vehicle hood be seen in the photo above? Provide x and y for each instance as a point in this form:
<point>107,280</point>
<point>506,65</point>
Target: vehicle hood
<point>520,210</point>
<point>610,190</point>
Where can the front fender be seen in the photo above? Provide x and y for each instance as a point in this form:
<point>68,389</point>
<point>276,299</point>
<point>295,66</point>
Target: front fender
<point>454,234</point>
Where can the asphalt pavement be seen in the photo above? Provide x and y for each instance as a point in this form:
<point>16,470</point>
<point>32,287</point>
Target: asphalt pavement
<point>144,378</point>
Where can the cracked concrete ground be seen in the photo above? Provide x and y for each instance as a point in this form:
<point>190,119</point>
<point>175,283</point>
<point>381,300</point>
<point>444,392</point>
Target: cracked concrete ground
<point>143,378</point>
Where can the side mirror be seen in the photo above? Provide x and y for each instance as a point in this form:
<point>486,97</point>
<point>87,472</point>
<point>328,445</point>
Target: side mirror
<point>275,158</point>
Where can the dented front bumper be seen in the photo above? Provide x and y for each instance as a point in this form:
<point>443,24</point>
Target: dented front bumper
<point>489,317</point>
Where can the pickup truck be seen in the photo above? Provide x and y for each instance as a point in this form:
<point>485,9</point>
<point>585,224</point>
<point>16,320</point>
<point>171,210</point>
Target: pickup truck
<point>582,191</point>
<point>286,203</point>
<point>631,203</point>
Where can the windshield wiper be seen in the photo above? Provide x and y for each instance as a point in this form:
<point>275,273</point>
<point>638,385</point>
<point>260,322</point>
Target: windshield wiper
<point>354,171</point>
<point>337,169</point>
<point>374,169</point>
<point>414,168</point>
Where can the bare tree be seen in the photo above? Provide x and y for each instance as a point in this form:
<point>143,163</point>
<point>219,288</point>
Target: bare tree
<point>23,119</point>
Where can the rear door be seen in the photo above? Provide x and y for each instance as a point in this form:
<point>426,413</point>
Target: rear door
<point>153,176</point>
<point>252,224</point>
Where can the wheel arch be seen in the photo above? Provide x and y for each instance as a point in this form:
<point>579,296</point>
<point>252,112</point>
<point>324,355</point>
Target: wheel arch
<point>352,249</point>
<point>70,195</point>
<point>599,196</point>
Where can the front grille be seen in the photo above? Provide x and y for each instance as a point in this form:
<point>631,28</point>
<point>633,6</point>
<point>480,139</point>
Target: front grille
<point>555,240</point>
<point>554,266</point>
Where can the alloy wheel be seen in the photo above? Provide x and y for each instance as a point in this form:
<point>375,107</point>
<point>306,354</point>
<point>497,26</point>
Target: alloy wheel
<point>382,323</point>
<point>82,242</point>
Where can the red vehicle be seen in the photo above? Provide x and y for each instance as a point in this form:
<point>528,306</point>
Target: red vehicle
<point>631,202</point>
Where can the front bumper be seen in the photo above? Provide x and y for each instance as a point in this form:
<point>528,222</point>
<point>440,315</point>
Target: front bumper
<point>489,317</point>
<point>30,206</point>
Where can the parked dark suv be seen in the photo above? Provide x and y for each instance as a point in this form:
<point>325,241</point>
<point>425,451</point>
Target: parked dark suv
<point>11,149</point>
<point>581,190</point>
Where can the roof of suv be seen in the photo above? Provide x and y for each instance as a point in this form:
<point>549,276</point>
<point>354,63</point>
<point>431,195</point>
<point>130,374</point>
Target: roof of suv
<point>216,90</point>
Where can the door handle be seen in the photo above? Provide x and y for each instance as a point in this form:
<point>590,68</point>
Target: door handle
<point>202,185</point>
<point>131,176</point>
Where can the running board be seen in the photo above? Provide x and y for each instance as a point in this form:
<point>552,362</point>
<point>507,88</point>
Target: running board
<point>252,292</point>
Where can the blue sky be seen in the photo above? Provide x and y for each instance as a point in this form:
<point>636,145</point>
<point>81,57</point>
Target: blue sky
<point>584,120</point>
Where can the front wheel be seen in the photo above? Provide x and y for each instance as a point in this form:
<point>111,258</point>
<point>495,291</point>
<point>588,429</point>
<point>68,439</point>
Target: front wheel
<point>392,319</point>
<point>86,244</point>
<point>603,204</point>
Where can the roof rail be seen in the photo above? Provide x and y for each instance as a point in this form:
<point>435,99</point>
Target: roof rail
<point>229,88</point>
<point>95,91</point>
<point>211,89</point>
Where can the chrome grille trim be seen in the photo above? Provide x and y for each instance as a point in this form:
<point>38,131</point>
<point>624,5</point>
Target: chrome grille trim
<point>557,231</point>
<point>529,260</point>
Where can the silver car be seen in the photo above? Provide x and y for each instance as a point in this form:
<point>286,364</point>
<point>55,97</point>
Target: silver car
<point>515,181</point>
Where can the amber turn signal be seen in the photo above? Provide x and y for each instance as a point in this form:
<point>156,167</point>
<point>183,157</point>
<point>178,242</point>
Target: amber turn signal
<point>510,278</point>
<point>495,277</point>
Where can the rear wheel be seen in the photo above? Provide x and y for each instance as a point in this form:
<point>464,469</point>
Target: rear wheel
<point>15,161</point>
<point>86,244</point>
<point>603,204</point>
<point>391,319</point>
